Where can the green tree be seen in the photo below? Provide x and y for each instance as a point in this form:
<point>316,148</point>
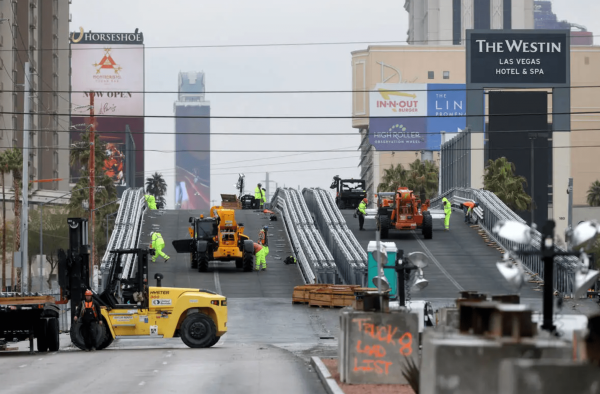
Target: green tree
<point>55,236</point>
<point>156,186</point>
<point>423,179</point>
<point>393,178</point>
<point>500,178</point>
<point>593,194</point>
<point>105,194</point>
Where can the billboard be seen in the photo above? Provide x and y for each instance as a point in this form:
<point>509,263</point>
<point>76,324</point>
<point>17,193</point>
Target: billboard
<point>112,66</point>
<point>192,157</point>
<point>518,58</point>
<point>412,116</point>
<point>398,133</point>
<point>446,110</point>
<point>398,99</point>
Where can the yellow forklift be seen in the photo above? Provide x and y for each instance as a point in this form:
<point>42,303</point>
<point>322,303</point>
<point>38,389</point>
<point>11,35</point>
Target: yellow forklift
<point>131,308</point>
<point>217,238</point>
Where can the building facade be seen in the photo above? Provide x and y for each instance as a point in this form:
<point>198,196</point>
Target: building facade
<point>192,143</point>
<point>447,64</point>
<point>444,22</point>
<point>37,31</point>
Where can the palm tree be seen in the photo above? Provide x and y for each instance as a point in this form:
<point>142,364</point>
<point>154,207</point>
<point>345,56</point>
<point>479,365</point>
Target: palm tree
<point>3,170</point>
<point>14,163</point>
<point>423,178</point>
<point>500,178</point>
<point>593,194</point>
<point>393,178</point>
<point>156,186</point>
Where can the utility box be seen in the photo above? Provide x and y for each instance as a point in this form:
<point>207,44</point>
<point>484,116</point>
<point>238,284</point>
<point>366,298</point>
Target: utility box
<point>390,274</point>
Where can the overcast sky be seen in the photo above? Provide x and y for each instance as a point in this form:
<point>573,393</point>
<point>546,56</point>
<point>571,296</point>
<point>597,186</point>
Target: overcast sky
<point>327,67</point>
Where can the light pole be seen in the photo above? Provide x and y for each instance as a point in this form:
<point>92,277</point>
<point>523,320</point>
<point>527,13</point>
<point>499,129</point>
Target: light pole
<point>532,137</point>
<point>42,231</point>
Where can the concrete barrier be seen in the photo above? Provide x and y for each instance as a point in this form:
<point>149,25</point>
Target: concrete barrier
<point>548,377</point>
<point>374,346</point>
<point>463,364</point>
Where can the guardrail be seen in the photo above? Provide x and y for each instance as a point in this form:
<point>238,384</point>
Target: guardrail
<point>494,210</point>
<point>350,258</point>
<point>315,260</point>
<point>126,233</point>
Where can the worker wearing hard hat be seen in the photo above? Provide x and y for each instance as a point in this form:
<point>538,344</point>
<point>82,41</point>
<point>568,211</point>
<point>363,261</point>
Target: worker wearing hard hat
<point>264,197</point>
<point>258,196</point>
<point>468,208</point>
<point>261,256</point>
<point>158,243</point>
<point>150,200</point>
<point>361,211</point>
<point>88,315</point>
<point>263,240</point>
<point>447,212</point>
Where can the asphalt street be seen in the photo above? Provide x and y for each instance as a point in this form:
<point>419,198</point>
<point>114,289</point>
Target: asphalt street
<point>461,261</point>
<point>266,349</point>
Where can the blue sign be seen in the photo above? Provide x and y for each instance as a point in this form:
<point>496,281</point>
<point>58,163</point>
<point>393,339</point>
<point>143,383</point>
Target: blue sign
<point>446,110</point>
<point>397,134</point>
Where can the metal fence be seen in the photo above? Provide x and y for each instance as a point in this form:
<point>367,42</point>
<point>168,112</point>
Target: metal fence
<point>494,211</point>
<point>455,167</point>
<point>127,231</point>
<point>315,260</point>
<point>350,258</point>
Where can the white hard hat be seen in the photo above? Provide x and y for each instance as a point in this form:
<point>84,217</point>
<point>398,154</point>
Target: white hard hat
<point>151,232</point>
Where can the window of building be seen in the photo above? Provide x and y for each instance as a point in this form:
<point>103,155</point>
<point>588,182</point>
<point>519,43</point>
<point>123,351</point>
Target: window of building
<point>446,74</point>
<point>430,75</point>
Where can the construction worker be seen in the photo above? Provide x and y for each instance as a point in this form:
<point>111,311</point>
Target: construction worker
<point>88,314</point>
<point>447,212</point>
<point>263,240</point>
<point>264,196</point>
<point>468,208</point>
<point>151,201</point>
<point>258,196</point>
<point>260,253</point>
<point>158,243</point>
<point>361,211</point>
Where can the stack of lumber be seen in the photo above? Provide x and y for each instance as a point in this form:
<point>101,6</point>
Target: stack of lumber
<point>230,201</point>
<point>326,295</point>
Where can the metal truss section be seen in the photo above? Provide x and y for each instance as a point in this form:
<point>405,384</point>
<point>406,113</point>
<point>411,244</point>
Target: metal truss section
<point>350,258</point>
<point>315,260</point>
<point>494,210</point>
<point>126,233</point>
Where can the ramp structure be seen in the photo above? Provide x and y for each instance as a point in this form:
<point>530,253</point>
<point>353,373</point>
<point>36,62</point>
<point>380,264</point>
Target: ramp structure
<point>126,233</point>
<point>315,260</point>
<point>494,210</point>
<point>349,256</point>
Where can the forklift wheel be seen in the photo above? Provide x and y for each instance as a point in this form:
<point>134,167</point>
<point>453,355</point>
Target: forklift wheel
<point>107,337</point>
<point>77,337</point>
<point>198,331</point>
<point>248,262</point>
<point>384,226</point>
<point>52,339</point>
<point>203,265</point>
<point>427,225</point>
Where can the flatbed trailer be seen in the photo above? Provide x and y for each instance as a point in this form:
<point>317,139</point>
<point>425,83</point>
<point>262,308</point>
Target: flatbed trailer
<point>27,317</point>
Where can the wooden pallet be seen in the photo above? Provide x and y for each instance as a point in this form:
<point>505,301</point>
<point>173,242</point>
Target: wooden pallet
<point>301,293</point>
<point>324,295</point>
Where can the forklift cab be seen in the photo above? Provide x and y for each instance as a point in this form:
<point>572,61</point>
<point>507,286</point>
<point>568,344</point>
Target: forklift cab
<point>132,292</point>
